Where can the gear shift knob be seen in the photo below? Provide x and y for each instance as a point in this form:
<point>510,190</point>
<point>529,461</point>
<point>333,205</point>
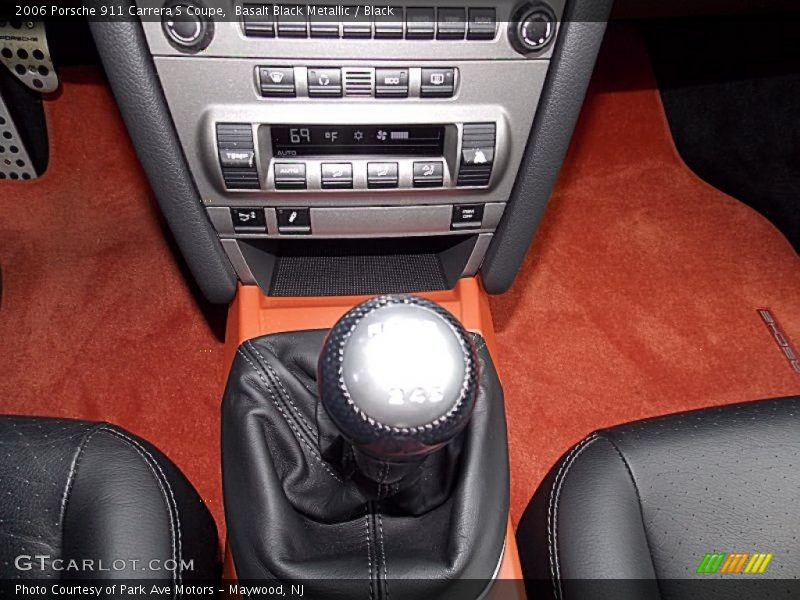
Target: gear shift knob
<point>398,376</point>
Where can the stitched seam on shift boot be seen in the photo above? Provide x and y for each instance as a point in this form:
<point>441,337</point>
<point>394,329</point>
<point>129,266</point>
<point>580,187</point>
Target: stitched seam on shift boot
<point>475,338</point>
<point>383,557</point>
<point>73,471</point>
<point>382,488</point>
<point>369,555</point>
<point>297,371</point>
<point>297,434</point>
<point>311,431</point>
<point>169,500</point>
<point>641,506</point>
<point>552,511</point>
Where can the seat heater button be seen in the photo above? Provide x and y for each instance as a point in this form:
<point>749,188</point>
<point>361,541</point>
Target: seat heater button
<point>382,175</point>
<point>438,82</point>
<point>428,173</point>
<point>248,220</point>
<point>290,176</point>
<point>337,176</point>
<point>293,221</point>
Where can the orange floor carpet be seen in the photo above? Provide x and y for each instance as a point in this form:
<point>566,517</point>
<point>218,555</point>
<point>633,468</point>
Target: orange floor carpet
<point>97,321</point>
<point>639,295</point>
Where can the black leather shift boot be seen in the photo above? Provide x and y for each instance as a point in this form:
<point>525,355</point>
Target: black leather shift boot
<point>298,510</point>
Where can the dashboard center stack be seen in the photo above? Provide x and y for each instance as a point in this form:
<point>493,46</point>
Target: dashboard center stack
<point>300,129</point>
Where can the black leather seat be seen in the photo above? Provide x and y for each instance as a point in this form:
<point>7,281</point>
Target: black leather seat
<point>78,491</point>
<point>633,511</point>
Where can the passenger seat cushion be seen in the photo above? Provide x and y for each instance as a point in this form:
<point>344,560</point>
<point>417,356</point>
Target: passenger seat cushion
<point>84,490</point>
<point>649,499</point>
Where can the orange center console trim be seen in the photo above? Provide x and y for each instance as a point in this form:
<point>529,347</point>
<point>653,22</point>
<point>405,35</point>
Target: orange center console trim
<point>252,314</point>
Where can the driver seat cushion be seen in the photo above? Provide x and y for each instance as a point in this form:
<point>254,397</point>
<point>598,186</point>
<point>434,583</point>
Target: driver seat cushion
<point>646,501</point>
<point>74,491</point>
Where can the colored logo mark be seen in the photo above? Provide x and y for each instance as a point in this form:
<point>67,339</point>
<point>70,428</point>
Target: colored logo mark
<point>734,562</point>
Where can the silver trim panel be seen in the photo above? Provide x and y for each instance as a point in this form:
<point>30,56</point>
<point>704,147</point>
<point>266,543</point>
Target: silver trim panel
<point>366,222</point>
<point>240,265</point>
<point>478,253</point>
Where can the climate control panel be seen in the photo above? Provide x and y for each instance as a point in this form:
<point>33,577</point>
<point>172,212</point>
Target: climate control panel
<point>355,157</point>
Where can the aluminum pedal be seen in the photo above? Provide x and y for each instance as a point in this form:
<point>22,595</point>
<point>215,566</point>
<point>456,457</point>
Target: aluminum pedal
<point>24,51</point>
<point>15,163</point>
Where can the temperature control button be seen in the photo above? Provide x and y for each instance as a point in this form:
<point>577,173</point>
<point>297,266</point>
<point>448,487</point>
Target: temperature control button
<point>290,176</point>
<point>428,173</point>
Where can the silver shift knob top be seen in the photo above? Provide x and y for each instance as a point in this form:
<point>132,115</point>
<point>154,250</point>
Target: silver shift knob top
<point>398,375</point>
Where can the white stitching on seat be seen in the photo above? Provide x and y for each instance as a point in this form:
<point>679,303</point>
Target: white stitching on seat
<point>288,421</point>
<point>552,510</point>
<point>169,496</point>
<point>73,470</point>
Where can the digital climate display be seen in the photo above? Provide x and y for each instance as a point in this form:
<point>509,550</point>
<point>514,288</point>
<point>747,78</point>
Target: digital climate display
<point>324,140</point>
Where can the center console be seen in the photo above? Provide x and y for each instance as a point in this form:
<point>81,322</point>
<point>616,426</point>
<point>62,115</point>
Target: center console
<point>304,154</point>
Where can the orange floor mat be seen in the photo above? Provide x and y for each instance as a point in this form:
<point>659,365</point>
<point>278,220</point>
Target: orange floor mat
<point>639,295</point>
<point>97,320</point>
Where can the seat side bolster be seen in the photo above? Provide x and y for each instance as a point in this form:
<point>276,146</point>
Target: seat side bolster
<point>587,512</point>
<point>129,506</point>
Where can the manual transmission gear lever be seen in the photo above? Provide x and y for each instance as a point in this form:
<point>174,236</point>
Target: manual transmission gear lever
<point>385,449</point>
<point>398,376</point>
